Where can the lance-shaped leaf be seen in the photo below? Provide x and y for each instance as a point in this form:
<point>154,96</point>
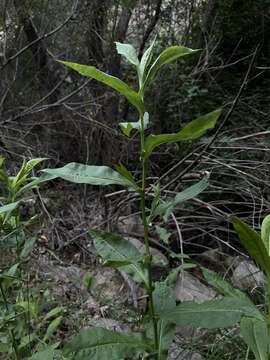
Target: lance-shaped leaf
<point>165,208</point>
<point>255,334</point>
<point>113,248</point>
<point>164,299</point>
<point>253,244</point>
<point>122,170</point>
<point>90,174</point>
<point>145,62</point>
<point>226,289</point>
<point>265,233</point>
<point>112,81</point>
<point>48,354</point>
<point>210,314</point>
<point>127,127</point>
<point>100,344</point>
<point>167,56</point>
<point>221,285</point>
<point>9,207</point>
<point>25,170</point>
<point>128,52</point>
<point>191,131</point>
<point>35,182</point>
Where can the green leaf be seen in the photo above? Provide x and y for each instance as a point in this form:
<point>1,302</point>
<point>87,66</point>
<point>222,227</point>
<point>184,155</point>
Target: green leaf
<point>225,288</point>
<point>47,354</point>
<point>27,340</point>
<point>165,208</point>
<point>265,233</point>
<point>167,56</point>
<point>35,182</point>
<point>4,177</point>
<point>210,314</point>
<point>25,170</point>
<point>174,273</point>
<point>163,296</point>
<point>54,312</point>
<point>255,334</point>
<point>128,52</point>
<point>221,285</point>
<point>253,244</point>
<point>52,327</point>
<point>145,61</point>
<point>164,299</point>
<point>127,127</point>
<point>163,234</point>
<point>9,207</point>
<point>28,247</point>
<point>114,248</point>
<point>120,263</point>
<point>191,131</point>
<point>123,171</point>
<point>31,164</point>
<point>88,281</point>
<point>8,277</point>
<point>100,344</point>
<point>89,174</point>
<point>115,83</point>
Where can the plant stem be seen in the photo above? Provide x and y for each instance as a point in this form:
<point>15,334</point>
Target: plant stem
<point>148,257</point>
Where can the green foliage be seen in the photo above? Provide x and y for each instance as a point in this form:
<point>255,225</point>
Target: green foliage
<point>118,252</point>
<point>164,208</point>
<point>23,325</point>
<point>265,233</point>
<point>113,82</point>
<point>253,243</point>
<point>99,344</point>
<point>255,330</point>
<point>128,52</point>
<point>210,314</point>
<point>127,127</point>
<point>255,334</point>
<point>90,174</point>
<point>163,297</point>
<point>163,234</point>
<point>221,285</point>
<point>191,131</point>
<point>162,314</point>
<point>167,56</point>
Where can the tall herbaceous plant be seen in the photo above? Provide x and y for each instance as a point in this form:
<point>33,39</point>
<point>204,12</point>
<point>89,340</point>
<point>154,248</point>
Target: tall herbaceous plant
<point>162,313</point>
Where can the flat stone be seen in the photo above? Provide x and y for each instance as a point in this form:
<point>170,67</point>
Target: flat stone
<point>247,276</point>
<point>130,225</point>
<point>177,353</point>
<point>188,288</point>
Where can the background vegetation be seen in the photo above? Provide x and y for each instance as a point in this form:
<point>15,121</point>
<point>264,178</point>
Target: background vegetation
<point>49,111</point>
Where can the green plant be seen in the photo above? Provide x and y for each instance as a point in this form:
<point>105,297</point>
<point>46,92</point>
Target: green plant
<point>254,324</point>
<point>23,326</point>
<point>256,332</point>
<point>163,314</point>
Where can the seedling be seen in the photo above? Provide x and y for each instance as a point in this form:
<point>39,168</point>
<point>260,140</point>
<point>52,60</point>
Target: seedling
<point>23,326</point>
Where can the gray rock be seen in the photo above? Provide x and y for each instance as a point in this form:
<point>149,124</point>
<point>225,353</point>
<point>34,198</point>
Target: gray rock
<point>247,276</point>
<point>159,259</point>
<point>130,225</point>
<point>108,284</point>
<point>110,324</point>
<point>188,288</point>
<point>178,353</point>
